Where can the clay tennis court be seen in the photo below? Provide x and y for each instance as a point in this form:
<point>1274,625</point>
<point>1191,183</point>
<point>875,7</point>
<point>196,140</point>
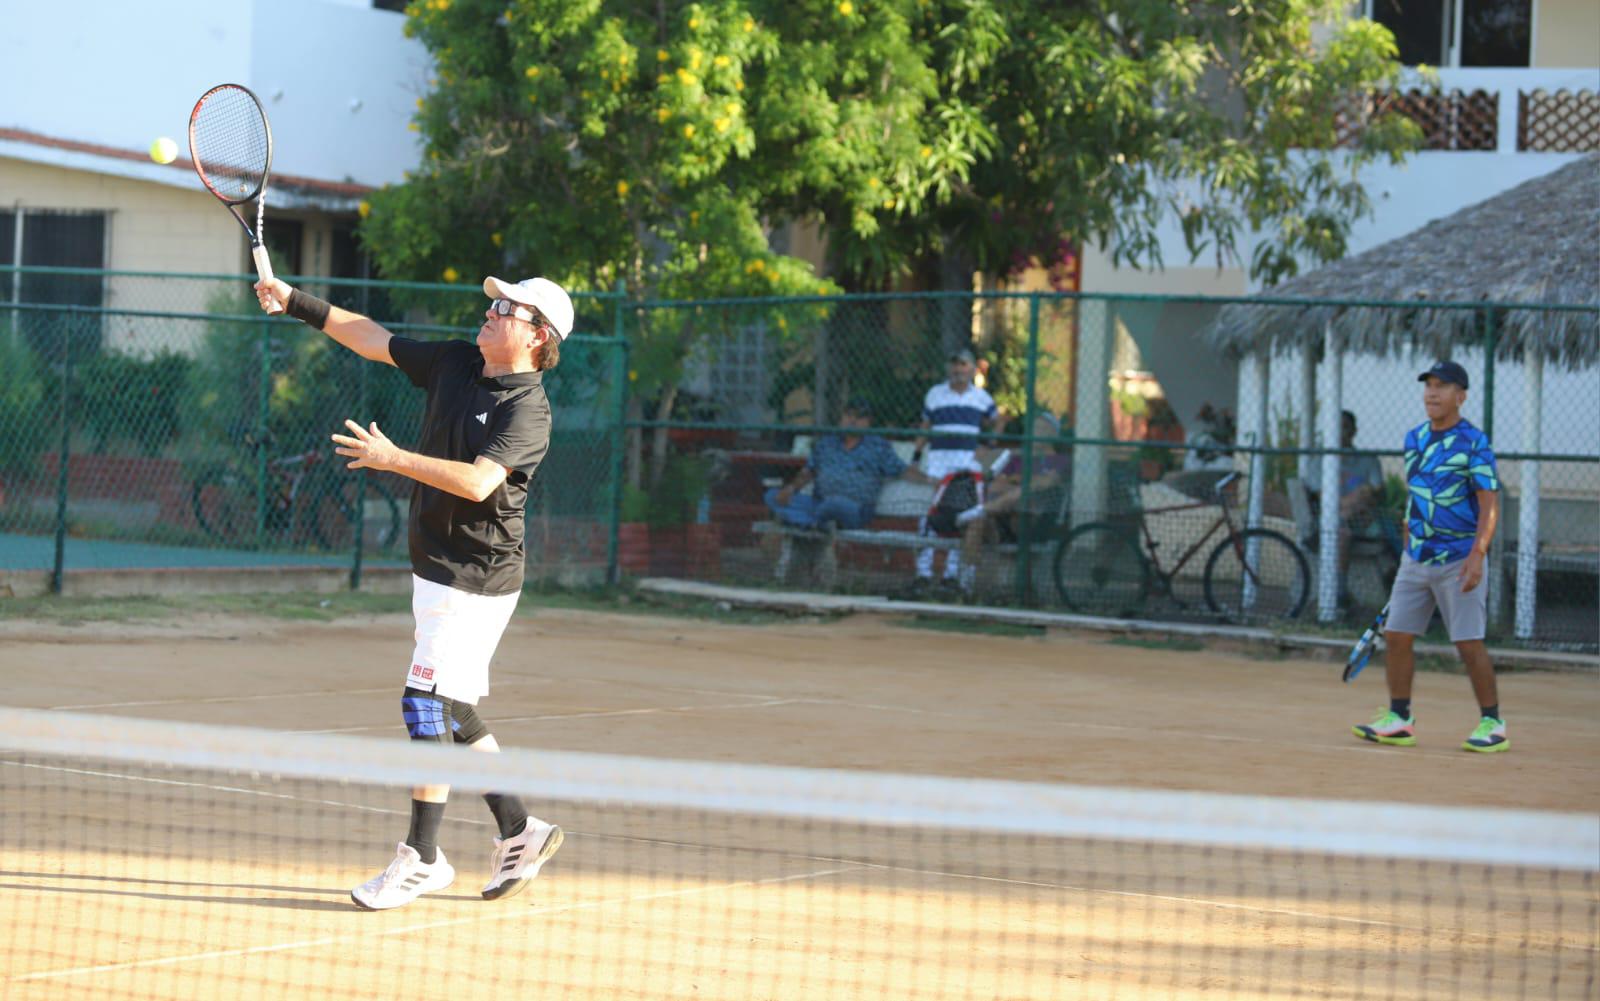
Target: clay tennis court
<point>198,901</point>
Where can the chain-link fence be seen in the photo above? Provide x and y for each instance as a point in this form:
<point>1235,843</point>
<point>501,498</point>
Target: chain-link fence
<point>1128,466</point>
<point>173,428</point>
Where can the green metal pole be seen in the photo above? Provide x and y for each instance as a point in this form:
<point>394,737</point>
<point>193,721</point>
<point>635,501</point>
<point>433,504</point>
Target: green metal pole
<point>619,380</point>
<point>263,399</point>
<point>1031,407</point>
<point>361,479</point>
<point>1491,337</point>
<point>63,455</point>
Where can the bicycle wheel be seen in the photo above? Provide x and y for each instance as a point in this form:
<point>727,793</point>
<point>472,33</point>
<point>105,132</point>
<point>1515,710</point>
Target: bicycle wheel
<point>1100,571</point>
<point>225,502</point>
<point>333,520</point>
<point>1257,575</point>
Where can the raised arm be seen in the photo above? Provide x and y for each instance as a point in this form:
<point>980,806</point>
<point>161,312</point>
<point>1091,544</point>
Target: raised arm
<point>364,336</point>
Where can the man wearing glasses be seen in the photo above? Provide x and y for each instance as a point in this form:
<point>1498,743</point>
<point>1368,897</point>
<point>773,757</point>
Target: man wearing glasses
<point>484,431</point>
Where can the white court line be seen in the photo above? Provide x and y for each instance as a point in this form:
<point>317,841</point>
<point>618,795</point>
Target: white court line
<point>222,698</point>
<point>428,926</point>
<point>498,720</point>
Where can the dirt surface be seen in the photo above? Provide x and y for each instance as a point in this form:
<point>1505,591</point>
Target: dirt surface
<point>211,889</point>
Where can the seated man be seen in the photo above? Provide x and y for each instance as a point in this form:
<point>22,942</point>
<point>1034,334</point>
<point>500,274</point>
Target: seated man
<point>849,471</point>
<point>1360,495</point>
<point>995,518</point>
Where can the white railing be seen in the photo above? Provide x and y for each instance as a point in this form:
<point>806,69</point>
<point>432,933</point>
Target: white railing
<point>1506,85</point>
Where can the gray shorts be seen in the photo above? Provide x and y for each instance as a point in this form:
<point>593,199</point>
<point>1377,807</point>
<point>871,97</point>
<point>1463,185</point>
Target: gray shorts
<point>1418,589</point>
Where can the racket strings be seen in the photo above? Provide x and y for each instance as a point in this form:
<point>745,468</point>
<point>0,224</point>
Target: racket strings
<point>230,143</point>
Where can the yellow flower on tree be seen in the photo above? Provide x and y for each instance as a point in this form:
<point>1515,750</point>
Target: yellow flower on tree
<point>749,24</point>
<point>622,189</point>
<point>688,131</point>
<point>662,114</point>
<point>451,274</point>
<point>662,55</point>
<point>694,23</point>
<point>721,61</point>
<point>363,209</point>
<point>531,72</point>
<point>721,124</point>
<point>847,8</point>
<point>927,151</point>
<point>496,239</point>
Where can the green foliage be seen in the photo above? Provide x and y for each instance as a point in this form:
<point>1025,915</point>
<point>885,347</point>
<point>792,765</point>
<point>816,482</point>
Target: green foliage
<point>22,395</point>
<point>127,398</point>
<point>649,141</point>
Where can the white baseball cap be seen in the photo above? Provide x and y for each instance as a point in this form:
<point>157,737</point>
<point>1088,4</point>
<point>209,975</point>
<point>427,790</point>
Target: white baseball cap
<point>540,293</point>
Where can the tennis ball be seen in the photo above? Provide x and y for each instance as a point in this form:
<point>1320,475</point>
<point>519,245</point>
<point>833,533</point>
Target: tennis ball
<point>163,150</point>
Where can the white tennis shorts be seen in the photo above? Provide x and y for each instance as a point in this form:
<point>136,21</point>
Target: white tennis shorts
<point>457,633</point>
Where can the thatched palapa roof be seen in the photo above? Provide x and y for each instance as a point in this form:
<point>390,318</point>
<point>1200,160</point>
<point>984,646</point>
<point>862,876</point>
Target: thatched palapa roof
<point>1537,243</point>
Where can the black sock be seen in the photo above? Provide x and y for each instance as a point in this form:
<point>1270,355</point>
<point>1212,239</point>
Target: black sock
<point>1400,707</point>
<point>508,812</point>
<point>424,836</point>
<point>1493,712</point>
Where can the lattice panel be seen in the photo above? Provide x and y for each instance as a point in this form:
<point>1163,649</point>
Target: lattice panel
<point>1455,120</point>
<point>1567,121</point>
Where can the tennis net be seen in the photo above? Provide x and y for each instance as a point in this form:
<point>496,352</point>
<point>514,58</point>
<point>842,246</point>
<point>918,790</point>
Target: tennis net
<point>147,859</point>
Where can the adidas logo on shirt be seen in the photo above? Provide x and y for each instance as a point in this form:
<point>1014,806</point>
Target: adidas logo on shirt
<point>483,418</point>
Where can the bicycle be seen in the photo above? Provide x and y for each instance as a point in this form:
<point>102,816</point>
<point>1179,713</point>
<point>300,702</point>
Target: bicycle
<point>1252,573</point>
<point>307,501</point>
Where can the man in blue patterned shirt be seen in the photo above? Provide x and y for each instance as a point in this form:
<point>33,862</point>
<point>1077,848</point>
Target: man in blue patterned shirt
<point>849,471</point>
<point>1451,518</point>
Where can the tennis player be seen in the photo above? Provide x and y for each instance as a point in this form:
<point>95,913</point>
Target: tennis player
<point>1454,492</point>
<point>484,431</point>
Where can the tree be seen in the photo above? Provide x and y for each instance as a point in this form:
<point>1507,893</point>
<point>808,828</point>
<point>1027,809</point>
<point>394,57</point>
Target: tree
<point>654,141</point>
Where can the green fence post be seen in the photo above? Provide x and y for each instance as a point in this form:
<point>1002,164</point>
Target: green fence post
<point>361,478</point>
<point>1024,528</point>
<point>63,453</point>
<point>619,379</point>
<point>1491,337</point>
<point>263,399</point>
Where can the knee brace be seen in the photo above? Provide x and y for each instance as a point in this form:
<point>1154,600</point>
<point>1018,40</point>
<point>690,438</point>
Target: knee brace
<point>427,716</point>
<point>466,726</point>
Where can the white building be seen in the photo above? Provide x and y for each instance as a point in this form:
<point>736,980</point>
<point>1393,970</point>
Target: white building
<point>86,85</point>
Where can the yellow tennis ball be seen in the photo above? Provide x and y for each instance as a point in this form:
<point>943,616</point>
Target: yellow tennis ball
<point>163,150</point>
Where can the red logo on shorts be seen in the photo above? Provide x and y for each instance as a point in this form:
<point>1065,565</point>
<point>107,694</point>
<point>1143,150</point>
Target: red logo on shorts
<point>425,673</point>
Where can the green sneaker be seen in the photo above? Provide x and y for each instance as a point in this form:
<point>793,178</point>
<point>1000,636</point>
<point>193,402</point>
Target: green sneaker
<point>1489,737</point>
<point>1388,728</point>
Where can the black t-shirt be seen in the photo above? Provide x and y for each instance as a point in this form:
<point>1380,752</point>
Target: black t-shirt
<point>474,546</point>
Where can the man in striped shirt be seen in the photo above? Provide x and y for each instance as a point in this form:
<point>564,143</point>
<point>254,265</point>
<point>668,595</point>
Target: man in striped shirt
<point>953,414</point>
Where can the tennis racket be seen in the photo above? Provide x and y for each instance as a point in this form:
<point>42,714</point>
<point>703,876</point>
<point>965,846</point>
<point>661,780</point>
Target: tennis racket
<point>230,145</point>
<point>1362,651</point>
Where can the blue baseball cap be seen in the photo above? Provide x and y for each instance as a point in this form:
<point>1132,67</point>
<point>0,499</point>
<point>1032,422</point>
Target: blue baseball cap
<point>1446,371</point>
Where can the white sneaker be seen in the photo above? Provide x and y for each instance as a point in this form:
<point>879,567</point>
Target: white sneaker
<point>517,859</point>
<point>405,879</point>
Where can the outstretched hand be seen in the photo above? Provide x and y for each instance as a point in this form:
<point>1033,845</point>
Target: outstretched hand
<point>273,296</point>
<point>369,449</point>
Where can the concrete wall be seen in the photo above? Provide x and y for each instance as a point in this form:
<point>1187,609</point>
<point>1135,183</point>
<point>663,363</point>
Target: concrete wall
<point>1164,333</point>
<point>120,74</point>
<point>152,227</point>
<point>1566,33</point>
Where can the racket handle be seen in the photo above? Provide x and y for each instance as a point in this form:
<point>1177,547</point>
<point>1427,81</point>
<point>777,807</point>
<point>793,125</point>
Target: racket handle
<point>258,253</point>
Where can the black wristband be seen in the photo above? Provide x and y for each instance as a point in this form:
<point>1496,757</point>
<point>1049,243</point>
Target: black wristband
<point>308,309</point>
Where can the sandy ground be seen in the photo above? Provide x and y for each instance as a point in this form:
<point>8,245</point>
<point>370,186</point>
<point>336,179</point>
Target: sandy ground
<point>138,885</point>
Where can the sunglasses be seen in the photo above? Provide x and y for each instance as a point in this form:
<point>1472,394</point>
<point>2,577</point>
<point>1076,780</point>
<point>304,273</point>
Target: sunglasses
<point>505,307</point>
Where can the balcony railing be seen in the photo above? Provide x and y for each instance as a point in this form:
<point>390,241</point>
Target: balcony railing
<point>1493,110</point>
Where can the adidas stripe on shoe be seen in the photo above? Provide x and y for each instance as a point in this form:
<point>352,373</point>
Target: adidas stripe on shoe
<point>518,859</point>
<point>403,880</point>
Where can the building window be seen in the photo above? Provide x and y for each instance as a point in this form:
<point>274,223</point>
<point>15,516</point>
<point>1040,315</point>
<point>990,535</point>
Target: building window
<point>1458,33</point>
<point>1496,32</point>
<point>54,239</point>
<point>398,6</point>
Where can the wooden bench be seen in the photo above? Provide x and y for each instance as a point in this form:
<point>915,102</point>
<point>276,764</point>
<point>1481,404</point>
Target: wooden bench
<point>900,502</point>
